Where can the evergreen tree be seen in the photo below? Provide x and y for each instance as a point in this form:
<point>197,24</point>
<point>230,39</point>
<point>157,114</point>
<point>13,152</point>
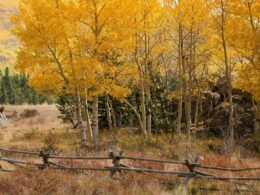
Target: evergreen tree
<point>3,97</point>
<point>8,87</point>
<point>14,89</point>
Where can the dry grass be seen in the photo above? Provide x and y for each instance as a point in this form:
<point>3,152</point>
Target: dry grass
<point>45,120</point>
<point>44,131</point>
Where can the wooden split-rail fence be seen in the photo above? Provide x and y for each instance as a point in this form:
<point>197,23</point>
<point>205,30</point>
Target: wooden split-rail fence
<point>115,155</point>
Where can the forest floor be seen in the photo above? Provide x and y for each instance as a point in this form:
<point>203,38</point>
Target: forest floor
<point>43,130</point>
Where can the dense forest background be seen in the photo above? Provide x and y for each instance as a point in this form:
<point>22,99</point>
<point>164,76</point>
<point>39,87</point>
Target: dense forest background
<point>178,66</point>
<point>15,90</point>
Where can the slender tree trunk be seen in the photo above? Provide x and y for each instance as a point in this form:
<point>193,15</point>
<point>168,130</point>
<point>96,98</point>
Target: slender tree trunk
<point>147,86</point>
<point>112,113</point>
<point>230,121</point>
<point>75,118</point>
<point>87,117</point>
<point>80,121</point>
<point>138,117</point>
<point>108,111</point>
<point>179,117</point>
<point>180,82</point>
<point>81,125</point>
<point>143,107</point>
<point>255,58</point>
<point>149,118</point>
<point>196,113</point>
<point>228,79</point>
<point>257,119</point>
<point>188,115</point>
<point>189,86</point>
<point>185,95</point>
<point>95,128</point>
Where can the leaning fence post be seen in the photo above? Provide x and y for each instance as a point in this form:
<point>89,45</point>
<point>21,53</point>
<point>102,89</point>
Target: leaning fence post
<point>45,158</point>
<point>114,153</point>
<point>191,168</point>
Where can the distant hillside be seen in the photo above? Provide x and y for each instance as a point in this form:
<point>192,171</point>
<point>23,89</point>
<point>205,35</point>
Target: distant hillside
<point>8,43</point>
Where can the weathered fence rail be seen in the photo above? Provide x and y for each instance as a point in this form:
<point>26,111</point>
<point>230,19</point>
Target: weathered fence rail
<point>115,154</point>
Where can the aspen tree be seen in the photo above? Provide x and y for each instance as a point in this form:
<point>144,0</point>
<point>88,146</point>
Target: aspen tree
<point>46,49</point>
<point>220,10</point>
<point>245,16</point>
<point>191,41</point>
<point>73,44</point>
<point>145,27</point>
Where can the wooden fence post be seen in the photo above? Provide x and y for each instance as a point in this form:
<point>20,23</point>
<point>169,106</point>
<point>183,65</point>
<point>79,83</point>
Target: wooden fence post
<point>45,159</point>
<point>114,153</point>
<point>191,168</point>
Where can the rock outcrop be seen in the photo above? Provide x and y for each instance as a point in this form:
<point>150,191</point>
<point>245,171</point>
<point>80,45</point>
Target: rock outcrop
<point>216,111</point>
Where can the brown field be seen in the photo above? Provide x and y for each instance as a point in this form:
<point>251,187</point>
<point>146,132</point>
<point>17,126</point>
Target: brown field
<point>44,131</point>
<point>46,119</point>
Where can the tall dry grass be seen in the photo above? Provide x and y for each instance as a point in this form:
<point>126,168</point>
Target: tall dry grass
<point>44,131</point>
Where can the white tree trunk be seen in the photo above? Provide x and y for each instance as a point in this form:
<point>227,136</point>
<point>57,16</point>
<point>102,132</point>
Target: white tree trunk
<point>180,82</point>
<point>81,125</point>
<point>95,128</point>
<point>196,113</point>
<point>228,79</point>
<point>112,113</point>
<point>143,109</point>
<point>108,112</point>
<point>88,119</point>
<point>137,115</point>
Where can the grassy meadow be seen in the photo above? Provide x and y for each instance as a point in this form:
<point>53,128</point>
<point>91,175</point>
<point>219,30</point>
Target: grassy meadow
<point>43,131</point>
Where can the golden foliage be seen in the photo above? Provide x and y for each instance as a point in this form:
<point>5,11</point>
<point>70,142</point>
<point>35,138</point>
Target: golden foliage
<point>104,45</point>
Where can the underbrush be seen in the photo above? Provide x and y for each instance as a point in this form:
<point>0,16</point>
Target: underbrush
<point>66,142</point>
<point>32,181</point>
<point>162,145</point>
<point>28,113</point>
